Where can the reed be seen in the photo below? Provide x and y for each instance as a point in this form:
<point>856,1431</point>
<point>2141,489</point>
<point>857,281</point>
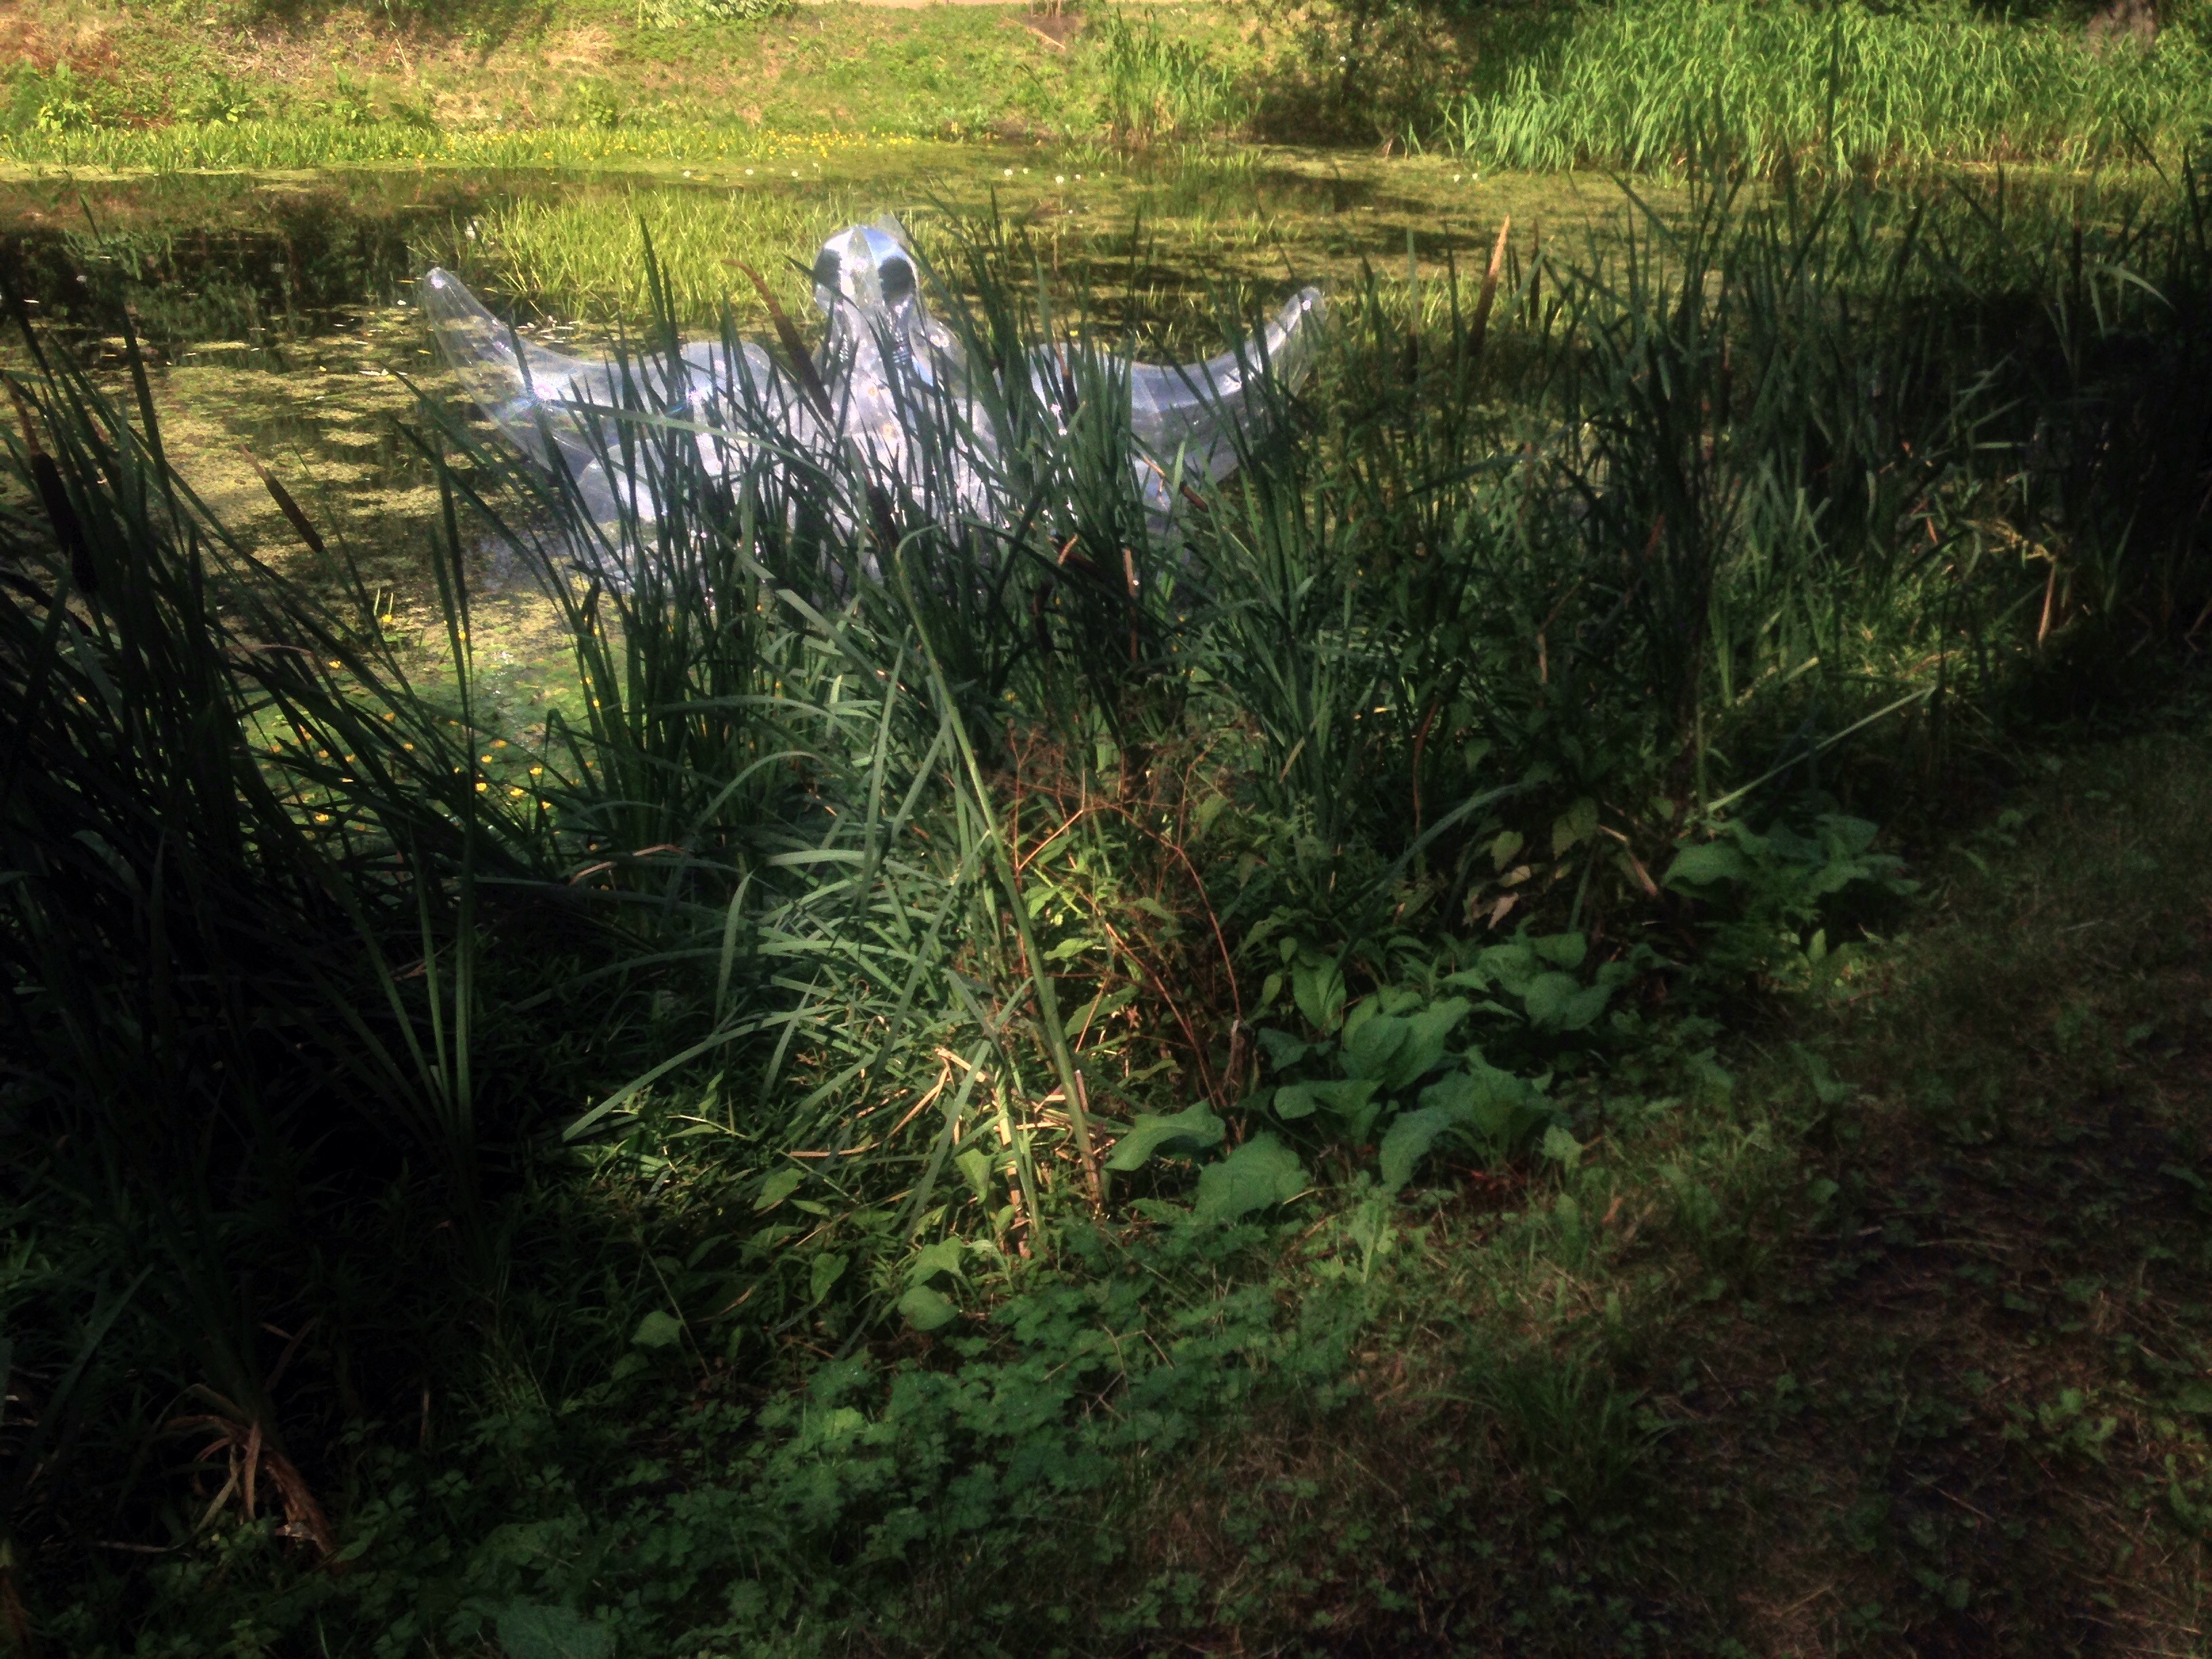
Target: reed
<point>1640,85</point>
<point>1156,87</point>
<point>909,843</point>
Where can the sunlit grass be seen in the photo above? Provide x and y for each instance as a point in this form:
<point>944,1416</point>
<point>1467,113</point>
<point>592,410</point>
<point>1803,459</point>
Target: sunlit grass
<point>288,145</point>
<point>1842,85</point>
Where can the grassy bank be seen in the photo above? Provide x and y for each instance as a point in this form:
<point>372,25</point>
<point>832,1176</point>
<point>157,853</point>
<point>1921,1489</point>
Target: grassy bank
<point>1632,86</point>
<point>591,83</point>
<point>1369,1066</point>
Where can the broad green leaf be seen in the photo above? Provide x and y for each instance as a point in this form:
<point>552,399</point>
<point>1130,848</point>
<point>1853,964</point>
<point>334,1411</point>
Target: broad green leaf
<point>1562,1148</point>
<point>1849,835</point>
<point>1410,1136</point>
<point>1509,967</point>
<point>1261,1172</point>
<point>1427,1033</point>
<point>1557,1002</point>
<point>1344,1097</point>
<point>657,1330</point>
<point>829,1268</point>
<point>1494,1109</point>
<point>1399,1049</point>
<point>777,1187</point>
<point>976,1167</point>
<point>1317,986</point>
<point>1284,1050</point>
<point>531,1630</point>
<point>927,1310</point>
<point>934,1261</point>
<point>1497,1106</point>
<point>1370,1049</point>
<point>1566,951</point>
<point>1188,1130</point>
<point>1573,826</point>
<point>1705,864</point>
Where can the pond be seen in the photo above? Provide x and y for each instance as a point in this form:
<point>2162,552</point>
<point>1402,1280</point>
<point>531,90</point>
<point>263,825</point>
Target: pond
<point>276,315</point>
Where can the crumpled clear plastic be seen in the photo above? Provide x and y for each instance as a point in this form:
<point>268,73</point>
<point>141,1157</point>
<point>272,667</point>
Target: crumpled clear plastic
<point>892,390</point>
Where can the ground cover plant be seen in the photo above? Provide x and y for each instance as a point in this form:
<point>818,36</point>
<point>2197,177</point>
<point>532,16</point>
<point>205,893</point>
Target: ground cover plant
<point>592,82</point>
<point>875,1120</point>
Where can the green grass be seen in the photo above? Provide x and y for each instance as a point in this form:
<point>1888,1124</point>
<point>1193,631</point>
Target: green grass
<point>294,145</point>
<point>700,93</point>
<point>633,1177</point>
<point>1844,86</point>
<point>1615,86</point>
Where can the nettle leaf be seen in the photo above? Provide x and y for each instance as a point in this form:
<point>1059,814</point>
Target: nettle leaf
<point>1561,1147</point>
<point>1261,1172</point>
<point>1190,1130</point>
<point>829,1268</point>
<point>657,1330</point>
<point>777,1187</point>
<point>1705,865</point>
<point>935,1261</point>
<point>1567,951</point>
<point>1573,826</point>
<point>974,1167</point>
<point>1558,1002</point>
<point>1493,1109</point>
<point>1509,967</point>
<point>1284,1050</point>
<point>1344,1097</point>
<point>529,1630</point>
<point>1410,1138</point>
<point>927,1310</point>
<point>1371,1046</point>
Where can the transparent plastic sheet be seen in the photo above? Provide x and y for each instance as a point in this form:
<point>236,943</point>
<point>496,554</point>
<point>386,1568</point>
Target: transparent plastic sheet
<point>892,391</point>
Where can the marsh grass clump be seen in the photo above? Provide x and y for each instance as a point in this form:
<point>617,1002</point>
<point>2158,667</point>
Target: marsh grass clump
<point>1158,87</point>
<point>1639,86</point>
<point>885,1014</point>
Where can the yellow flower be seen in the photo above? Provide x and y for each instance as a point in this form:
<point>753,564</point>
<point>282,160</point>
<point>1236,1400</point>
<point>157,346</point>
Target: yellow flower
<point>511,790</point>
<point>322,818</point>
<point>536,771</point>
<point>482,786</point>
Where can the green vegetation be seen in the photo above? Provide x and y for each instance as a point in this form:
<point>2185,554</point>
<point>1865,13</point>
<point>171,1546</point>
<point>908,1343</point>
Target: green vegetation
<point>1568,1019</point>
<point>1635,85</point>
<point>299,145</point>
<point>592,84</point>
<point>1371,1068</point>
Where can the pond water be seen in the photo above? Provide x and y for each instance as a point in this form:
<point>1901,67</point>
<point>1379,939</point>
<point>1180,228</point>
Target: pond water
<point>276,313</point>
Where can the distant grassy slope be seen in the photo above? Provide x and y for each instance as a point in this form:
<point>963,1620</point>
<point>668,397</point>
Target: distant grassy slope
<point>72,68</point>
<point>1623,85</point>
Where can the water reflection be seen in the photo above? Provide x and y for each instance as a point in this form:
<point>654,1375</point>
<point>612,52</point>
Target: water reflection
<point>275,313</point>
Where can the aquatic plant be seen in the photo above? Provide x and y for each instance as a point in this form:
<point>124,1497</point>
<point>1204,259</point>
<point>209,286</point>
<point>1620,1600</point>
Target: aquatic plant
<point>807,970</point>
